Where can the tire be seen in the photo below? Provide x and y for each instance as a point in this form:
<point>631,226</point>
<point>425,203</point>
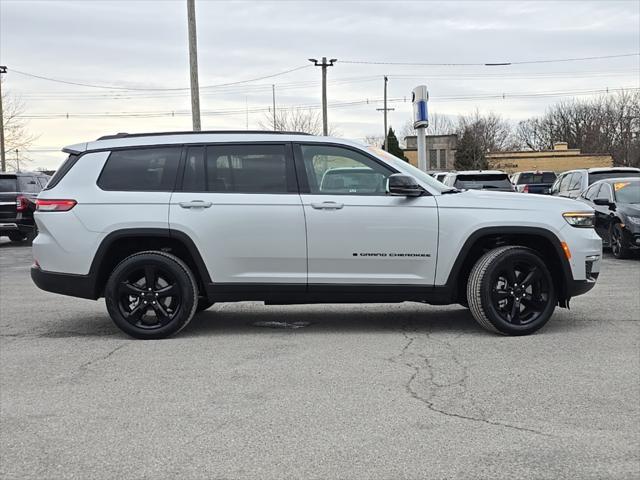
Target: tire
<point>618,247</point>
<point>203,304</point>
<point>16,237</point>
<point>500,308</point>
<point>153,312</point>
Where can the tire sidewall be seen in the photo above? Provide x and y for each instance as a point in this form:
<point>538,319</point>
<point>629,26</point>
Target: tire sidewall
<point>184,280</point>
<point>487,285</point>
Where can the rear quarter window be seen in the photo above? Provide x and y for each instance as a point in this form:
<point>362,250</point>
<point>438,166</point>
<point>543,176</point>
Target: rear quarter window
<point>141,169</point>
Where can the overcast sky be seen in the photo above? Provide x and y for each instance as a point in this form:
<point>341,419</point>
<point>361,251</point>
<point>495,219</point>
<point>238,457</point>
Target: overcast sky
<point>143,45</point>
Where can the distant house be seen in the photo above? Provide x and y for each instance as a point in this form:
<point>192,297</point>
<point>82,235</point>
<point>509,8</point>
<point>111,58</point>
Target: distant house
<point>560,159</point>
<point>441,150</point>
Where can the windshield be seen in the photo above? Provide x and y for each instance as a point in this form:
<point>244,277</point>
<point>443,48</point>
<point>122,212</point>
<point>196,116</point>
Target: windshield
<point>423,177</point>
<point>8,184</point>
<point>594,177</point>
<point>530,178</point>
<point>627,192</point>
<point>481,181</point>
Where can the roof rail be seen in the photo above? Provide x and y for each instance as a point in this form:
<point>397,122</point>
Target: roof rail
<point>154,134</point>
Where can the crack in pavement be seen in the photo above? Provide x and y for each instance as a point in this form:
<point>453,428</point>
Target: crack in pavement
<point>436,390</point>
<point>83,368</point>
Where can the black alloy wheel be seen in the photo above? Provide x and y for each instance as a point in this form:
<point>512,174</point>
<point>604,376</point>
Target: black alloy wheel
<point>618,247</point>
<point>510,291</point>
<point>520,292</point>
<point>151,295</point>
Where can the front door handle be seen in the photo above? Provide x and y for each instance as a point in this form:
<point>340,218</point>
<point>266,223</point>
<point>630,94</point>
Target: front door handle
<point>327,206</point>
<point>195,204</point>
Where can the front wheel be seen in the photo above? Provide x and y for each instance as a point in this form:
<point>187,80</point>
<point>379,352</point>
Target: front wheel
<point>510,291</point>
<point>151,295</point>
<point>618,247</point>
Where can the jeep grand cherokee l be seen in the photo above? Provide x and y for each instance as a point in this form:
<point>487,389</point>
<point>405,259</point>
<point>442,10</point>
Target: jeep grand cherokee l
<point>163,225</point>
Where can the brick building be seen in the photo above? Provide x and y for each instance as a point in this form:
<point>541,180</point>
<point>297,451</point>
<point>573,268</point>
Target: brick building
<point>441,151</point>
<point>560,159</point>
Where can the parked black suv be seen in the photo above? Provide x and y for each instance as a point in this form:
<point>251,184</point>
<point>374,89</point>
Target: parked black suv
<point>18,192</point>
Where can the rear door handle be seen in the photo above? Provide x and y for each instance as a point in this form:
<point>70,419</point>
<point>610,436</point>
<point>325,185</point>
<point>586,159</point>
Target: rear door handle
<point>327,206</point>
<point>195,204</point>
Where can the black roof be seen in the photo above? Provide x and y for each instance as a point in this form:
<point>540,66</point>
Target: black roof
<point>155,134</point>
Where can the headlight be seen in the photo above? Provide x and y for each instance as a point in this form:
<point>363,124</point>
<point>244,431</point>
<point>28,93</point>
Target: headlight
<point>580,219</point>
<point>634,220</point>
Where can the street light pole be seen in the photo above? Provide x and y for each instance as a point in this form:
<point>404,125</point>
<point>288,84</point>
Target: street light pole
<point>193,65</point>
<point>3,160</point>
<point>385,110</point>
<point>324,65</point>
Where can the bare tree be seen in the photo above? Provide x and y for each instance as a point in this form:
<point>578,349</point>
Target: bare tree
<point>295,120</point>
<point>374,140</point>
<point>606,124</point>
<point>16,135</point>
<point>438,125</point>
<point>491,131</point>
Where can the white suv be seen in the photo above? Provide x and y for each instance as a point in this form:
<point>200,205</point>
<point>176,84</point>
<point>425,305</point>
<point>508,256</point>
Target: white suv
<point>164,225</point>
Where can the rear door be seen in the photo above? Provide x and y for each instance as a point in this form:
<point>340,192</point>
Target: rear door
<point>239,203</point>
<point>356,233</point>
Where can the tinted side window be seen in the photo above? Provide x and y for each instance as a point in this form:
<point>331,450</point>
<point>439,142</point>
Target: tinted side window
<point>238,169</point>
<point>144,169</point>
<point>576,181</point>
<point>564,184</point>
<point>605,192</point>
<point>28,184</point>
<point>341,171</point>
<point>592,192</point>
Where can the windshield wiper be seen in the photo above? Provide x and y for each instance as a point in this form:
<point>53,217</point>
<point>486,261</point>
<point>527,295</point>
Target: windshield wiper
<point>451,190</point>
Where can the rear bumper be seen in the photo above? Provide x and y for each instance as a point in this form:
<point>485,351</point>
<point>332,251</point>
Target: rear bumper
<point>22,225</point>
<point>64,283</point>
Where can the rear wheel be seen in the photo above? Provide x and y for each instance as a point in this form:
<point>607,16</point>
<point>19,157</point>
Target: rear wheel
<point>618,247</point>
<point>16,237</point>
<point>151,295</point>
<point>510,291</point>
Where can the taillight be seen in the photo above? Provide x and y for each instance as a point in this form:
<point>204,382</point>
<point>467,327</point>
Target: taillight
<point>21,203</point>
<point>525,189</point>
<point>54,205</point>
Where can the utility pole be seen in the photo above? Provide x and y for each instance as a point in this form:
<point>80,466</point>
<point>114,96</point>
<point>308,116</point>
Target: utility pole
<point>324,65</point>
<point>3,160</point>
<point>273,95</point>
<point>193,65</point>
<point>17,161</point>
<point>385,110</point>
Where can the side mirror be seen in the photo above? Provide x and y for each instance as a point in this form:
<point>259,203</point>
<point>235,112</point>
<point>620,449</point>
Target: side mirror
<point>403,185</point>
<point>603,202</point>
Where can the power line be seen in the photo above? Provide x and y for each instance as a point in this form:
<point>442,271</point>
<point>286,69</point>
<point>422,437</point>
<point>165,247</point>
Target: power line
<point>122,88</point>
<point>489,64</point>
<point>344,104</point>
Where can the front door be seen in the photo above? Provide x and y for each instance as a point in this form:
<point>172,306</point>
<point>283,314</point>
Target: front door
<point>240,205</point>
<point>356,233</point>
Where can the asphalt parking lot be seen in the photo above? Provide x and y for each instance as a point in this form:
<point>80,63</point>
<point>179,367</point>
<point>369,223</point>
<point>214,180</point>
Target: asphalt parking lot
<point>362,391</point>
